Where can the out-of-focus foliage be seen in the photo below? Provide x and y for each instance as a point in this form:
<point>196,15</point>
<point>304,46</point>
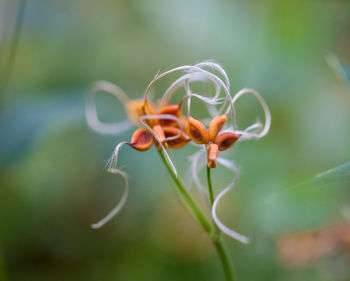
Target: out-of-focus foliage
<point>316,202</point>
<point>53,184</point>
<point>341,69</point>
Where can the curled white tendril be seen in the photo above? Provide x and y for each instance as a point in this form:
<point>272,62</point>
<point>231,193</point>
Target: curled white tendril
<point>207,101</point>
<point>196,73</point>
<point>229,165</point>
<point>217,67</point>
<point>227,95</point>
<point>112,168</point>
<point>196,167</point>
<point>91,111</point>
<point>212,65</point>
<point>249,132</point>
<point>112,163</point>
<point>188,78</point>
<point>190,95</point>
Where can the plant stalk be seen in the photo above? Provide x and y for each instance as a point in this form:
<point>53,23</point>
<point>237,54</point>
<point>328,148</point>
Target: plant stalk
<point>219,244</point>
<point>195,211</point>
<point>210,187</point>
<point>187,200</point>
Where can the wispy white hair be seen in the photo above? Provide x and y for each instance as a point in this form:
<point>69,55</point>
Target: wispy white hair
<point>91,111</point>
<point>230,165</point>
<point>112,168</point>
<point>249,132</point>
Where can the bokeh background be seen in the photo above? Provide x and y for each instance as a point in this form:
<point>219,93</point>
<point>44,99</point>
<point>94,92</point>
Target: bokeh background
<point>53,181</point>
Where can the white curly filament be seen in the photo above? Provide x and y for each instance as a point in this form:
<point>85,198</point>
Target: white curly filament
<point>91,111</point>
<point>112,169</point>
<point>217,221</point>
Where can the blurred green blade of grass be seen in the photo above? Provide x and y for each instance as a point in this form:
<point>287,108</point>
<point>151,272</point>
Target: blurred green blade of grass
<point>27,121</point>
<point>313,203</point>
<point>340,68</point>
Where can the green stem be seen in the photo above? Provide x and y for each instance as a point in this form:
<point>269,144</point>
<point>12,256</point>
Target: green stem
<point>225,259</point>
<point>194,210</point>
<point>187,200</point>
<point>219,244</point>
<point>210,186</point>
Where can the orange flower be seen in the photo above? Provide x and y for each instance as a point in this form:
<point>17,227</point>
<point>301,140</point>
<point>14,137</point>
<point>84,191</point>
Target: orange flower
<point>164,125</point>
<point>214,141</point>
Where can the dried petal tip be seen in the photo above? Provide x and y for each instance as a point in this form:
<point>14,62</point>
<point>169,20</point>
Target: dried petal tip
<point>216,126</point>
<point>178,142</point>
<point>197,131</point>
<point>212,154</point>
<point>226,140</point>
<point>141,140</point>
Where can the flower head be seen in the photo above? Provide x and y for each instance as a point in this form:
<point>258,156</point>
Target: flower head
<point>172,126</point>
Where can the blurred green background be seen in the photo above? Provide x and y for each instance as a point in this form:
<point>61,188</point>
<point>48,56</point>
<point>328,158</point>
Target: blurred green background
<point>53,181</point>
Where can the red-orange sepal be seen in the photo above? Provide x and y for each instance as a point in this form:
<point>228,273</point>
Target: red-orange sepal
<point>179,142</point>
<point>216,126</point>
<point>173,109</point>
<point>148,109</point>
<point>141,140</point>
<point>197,131</point>
<point>226,140</point>
<point>158,130</point>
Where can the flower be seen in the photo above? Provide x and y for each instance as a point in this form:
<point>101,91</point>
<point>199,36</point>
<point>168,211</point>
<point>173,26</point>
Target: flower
<point>168,127</point>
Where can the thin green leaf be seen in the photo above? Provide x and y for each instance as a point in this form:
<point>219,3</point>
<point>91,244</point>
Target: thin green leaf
<point>313,203</point>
